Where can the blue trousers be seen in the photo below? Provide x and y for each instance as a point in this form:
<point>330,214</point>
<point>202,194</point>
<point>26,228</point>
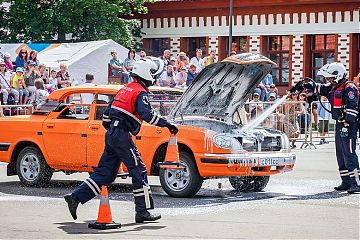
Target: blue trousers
<point>119,147</point>
<point>346,155</point>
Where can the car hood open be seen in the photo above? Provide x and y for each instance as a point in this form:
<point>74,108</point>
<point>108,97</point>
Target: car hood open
<point>221,88</point>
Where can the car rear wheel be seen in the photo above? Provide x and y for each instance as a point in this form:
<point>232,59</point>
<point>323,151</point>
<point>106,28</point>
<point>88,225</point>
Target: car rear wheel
<point>181,182</point>
<point>32,168</point>
<point>249,183</point>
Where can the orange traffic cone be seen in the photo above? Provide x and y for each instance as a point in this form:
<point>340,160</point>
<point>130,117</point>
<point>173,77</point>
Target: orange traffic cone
<point>121,172</point>
<point>172,155</point>
<point>104,220</point>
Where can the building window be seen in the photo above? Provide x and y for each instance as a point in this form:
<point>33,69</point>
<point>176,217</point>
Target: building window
<point>322,52</point>
<point>194,43</point>
<point>157,46</point>
<point>278,48</point>
<point>240,44</point>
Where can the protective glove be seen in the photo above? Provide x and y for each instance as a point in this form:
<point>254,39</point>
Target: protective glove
<point>172,128</point>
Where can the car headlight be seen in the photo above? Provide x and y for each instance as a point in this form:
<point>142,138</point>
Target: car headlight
<point>226,142</point>
<point>285,143</point>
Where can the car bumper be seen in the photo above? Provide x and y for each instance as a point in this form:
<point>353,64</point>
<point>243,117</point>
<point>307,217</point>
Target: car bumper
<point>247,163</point>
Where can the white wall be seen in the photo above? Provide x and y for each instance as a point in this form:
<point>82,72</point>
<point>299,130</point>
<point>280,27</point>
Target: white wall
<point>245,30</point>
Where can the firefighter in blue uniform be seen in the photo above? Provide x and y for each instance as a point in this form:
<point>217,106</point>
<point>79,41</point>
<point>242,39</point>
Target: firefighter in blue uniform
<point>343,97</point>
<point>123,116</point>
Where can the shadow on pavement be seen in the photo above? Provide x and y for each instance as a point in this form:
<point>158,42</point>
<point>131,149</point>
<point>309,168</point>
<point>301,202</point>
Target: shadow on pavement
<point>82,228</point>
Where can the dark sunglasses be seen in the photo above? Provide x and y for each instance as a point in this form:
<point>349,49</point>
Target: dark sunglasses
<point>23,52</point>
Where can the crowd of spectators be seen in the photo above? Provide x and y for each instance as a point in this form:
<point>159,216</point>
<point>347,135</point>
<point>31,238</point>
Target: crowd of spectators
<point>28,81</point>
<point>178,71</point>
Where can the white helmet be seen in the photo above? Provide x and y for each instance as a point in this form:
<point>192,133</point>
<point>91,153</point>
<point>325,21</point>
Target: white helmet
<point>147,68</point>
<point>333,70</point>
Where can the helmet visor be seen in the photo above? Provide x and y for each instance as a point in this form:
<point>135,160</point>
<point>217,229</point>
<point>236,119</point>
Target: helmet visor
<point>325,74</point>
<point>159,66</point>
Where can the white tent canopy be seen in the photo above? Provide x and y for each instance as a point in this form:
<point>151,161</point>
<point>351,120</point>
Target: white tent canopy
<point>82,58</point>
<point>11,48</point>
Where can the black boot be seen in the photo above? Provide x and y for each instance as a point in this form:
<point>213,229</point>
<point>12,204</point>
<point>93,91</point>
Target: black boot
<point>354,189</point>
<point>73,203</point>
<point>143,216</point>
<point>342,187</point>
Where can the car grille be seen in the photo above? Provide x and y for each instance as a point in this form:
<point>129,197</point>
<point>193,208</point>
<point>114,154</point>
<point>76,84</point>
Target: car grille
<point>269,144</point>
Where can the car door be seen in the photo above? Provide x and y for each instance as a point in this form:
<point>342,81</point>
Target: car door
<point>150,137</point>
<point>95,130</point>
<point>65,137</point>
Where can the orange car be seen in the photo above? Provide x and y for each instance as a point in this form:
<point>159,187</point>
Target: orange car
<point>66,133</point>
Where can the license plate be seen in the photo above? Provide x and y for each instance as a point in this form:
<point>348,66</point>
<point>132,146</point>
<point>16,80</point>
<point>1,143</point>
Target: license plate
<point>275,161</point>
<point>242,162</point>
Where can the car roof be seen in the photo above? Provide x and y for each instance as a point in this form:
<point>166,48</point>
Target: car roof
<point>103,89</point>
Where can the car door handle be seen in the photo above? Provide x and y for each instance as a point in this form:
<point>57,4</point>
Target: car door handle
<point>94,126</point>
<point>50,125</point>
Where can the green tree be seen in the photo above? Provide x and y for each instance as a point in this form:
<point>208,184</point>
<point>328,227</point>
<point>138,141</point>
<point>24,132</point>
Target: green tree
<point>84,20</point>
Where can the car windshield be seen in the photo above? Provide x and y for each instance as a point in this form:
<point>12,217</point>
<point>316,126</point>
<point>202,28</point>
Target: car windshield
<point>47,107</point>
<point>163,101</point>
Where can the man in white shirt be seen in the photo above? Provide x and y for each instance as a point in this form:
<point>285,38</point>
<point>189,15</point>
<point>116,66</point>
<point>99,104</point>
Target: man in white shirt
<point>166,57</point>
<point>198,61</point>
<point>88,98</point>
<point>167,78</point>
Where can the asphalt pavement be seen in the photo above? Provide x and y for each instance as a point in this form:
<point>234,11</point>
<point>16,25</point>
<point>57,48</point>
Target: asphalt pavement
<point>295,205</point>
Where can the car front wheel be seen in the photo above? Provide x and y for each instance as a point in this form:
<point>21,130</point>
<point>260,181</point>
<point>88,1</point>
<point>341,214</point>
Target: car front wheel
<point>249,183</point>
<point>32,168</point>
<point>181,182</point>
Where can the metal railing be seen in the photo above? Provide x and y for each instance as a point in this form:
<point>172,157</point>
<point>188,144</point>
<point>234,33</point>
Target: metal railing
<point>14,110</point>
<point>163,107</point>
<point>291,117</point>
<point>328,125</point>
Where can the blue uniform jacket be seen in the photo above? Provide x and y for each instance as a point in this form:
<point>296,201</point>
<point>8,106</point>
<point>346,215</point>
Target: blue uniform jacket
<point>343,100</point>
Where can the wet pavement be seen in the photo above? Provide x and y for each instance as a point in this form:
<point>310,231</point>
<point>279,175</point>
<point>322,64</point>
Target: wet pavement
<point>298,204</point>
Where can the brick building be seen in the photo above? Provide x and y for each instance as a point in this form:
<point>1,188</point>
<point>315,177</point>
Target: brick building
<point>299,35</point>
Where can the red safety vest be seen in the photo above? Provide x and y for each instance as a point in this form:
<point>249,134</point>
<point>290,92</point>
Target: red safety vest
<point>337,98</point>
<point>125,100</point>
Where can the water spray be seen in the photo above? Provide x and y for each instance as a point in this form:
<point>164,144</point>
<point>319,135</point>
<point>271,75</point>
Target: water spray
<point>257,121</point>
